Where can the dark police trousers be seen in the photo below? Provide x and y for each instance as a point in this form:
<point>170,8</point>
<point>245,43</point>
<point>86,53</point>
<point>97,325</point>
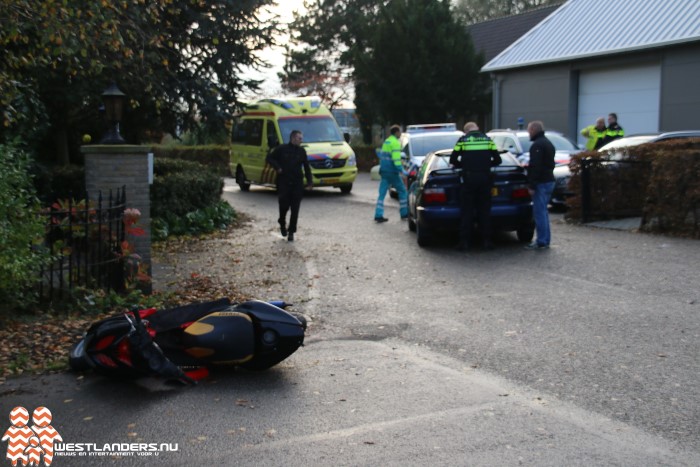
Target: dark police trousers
<point>289,196</point>
<point>476,199</point>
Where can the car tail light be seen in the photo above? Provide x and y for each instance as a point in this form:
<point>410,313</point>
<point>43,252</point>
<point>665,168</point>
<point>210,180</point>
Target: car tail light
<point>412,173</point>
<point>434,195</point>
<point>520,193</point>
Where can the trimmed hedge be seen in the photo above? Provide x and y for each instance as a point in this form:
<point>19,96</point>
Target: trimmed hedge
<point>658,181</point>
<point>215,157</point>
<point>180,187</point>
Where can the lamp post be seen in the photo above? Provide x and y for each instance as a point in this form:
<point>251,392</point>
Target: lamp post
<point>113,99</point>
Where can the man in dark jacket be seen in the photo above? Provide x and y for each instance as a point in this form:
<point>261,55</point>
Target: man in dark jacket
<point>614,130</point>
<point>475,154</point>
<point>540,174</point>
<point>288,160</point>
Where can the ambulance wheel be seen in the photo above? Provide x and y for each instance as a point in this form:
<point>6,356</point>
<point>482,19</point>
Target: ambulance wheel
<point>346,189</point>
<point>241,180</point>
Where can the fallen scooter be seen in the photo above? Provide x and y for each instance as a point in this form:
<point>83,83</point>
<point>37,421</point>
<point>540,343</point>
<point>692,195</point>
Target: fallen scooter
<point>182,343</point>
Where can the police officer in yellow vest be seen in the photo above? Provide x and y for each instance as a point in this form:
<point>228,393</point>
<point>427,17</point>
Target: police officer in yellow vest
<point>390,169</point>
<point>596,134</point>
<point>475,154</point>
<point>614,130</point>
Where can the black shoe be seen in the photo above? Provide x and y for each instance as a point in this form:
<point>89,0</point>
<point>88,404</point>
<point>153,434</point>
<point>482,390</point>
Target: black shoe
<point>379,220</point>
<point>290,237</point>
<point>283,229</point>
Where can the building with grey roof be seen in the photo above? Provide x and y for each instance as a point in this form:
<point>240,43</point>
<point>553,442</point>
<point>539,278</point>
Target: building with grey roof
<point>638,58</point>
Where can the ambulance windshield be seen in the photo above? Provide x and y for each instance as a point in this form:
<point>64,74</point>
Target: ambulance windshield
<point>322,129</point>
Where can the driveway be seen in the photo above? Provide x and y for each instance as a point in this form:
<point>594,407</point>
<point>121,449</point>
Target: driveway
<point>586,354</point>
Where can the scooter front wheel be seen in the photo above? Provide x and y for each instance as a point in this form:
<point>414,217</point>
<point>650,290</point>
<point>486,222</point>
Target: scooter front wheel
<point>78,359</point>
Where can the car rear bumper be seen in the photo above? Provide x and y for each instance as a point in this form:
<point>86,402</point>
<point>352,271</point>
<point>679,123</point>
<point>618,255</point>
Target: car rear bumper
<point>507,218</point>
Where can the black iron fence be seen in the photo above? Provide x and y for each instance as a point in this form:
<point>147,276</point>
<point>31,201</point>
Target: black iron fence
<point>612,189</point>
<point>85,239</point>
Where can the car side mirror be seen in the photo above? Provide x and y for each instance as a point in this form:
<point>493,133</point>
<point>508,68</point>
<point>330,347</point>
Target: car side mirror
<point>346,137</point>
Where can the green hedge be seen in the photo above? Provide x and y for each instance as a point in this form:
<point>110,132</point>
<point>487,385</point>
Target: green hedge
<point>180,187</point>
<point>212,156</point>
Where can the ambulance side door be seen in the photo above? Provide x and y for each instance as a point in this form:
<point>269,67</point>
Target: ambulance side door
<point>250,148</point>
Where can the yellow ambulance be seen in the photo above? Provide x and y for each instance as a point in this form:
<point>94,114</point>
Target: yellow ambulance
<point>269,122</point>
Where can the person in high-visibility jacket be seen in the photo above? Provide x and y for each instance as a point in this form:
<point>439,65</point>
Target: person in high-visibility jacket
<point>614,130</point>
<point>595,134</point>
<point>474,154</point>
<point>391,169</point>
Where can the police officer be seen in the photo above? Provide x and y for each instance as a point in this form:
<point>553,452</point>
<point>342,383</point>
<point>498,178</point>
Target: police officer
<point>475,154</point>
<point>614,130</point>
<point>390,169</point>
<point>288,160</point>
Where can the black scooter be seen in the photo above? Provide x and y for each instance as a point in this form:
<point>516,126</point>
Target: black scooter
<point>182,343</point>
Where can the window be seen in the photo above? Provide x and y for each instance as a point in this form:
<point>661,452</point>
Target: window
<point>314,129</point>
<point>272,139</point>
<point>248,132</point>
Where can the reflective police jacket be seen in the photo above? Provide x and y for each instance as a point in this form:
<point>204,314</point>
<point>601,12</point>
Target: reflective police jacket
<point>390,156</point>
<point>475,153</point>
<point>613,132</point>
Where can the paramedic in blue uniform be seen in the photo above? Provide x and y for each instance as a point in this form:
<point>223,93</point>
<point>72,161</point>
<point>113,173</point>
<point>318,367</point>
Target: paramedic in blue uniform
<point>391,169</point>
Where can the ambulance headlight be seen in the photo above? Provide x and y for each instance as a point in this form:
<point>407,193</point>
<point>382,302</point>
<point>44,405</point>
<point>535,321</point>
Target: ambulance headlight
<point>352,161</point>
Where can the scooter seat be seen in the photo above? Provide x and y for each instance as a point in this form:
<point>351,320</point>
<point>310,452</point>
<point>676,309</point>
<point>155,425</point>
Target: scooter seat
<point>224,337</point>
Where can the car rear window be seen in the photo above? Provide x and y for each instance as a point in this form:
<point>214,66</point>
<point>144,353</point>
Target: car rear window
<point>442,161</point>
<point>422,145</point>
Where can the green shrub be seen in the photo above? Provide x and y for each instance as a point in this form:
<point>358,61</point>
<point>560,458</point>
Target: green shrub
<point>180,187</point>
<point>61,182</point>
<point>216,158</point>
<point>21,232</point>
<point>215,217</point>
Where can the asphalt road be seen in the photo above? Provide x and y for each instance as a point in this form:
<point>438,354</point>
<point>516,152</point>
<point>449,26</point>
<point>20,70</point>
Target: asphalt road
<point>585,354</point>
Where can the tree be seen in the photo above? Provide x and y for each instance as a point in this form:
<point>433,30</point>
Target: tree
<point>475,11</point>
<point>411,60</point>
<point>305,75</point>
<point>179,61</point>
<point>421,66</point>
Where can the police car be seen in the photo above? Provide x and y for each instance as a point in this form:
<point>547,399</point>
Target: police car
<point>420,140</point>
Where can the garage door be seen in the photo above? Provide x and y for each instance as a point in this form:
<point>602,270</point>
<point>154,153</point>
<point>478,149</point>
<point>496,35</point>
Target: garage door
<point>632,92</point>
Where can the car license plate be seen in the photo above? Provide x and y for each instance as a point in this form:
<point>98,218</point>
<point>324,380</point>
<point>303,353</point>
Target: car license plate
<point>329,181</point>
<point>494,191</point>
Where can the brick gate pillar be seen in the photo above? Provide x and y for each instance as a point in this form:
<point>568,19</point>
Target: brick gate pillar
<point>111,167</point>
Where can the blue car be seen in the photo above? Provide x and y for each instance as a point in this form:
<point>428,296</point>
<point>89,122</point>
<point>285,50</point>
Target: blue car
<point>433,199</point>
